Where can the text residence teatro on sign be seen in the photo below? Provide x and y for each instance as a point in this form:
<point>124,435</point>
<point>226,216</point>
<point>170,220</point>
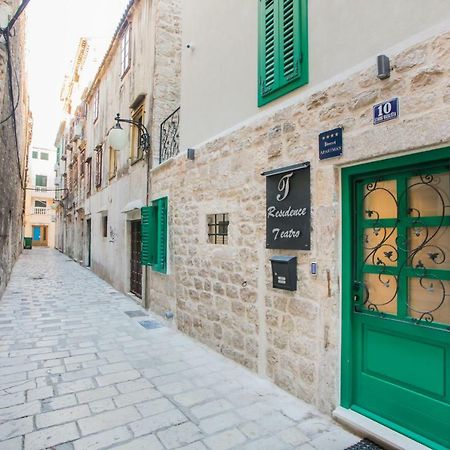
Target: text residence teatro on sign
<point>272,211</point>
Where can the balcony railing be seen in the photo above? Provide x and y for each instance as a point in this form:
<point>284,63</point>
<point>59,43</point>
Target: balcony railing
<point>169,144</point>
<point>39,210</point>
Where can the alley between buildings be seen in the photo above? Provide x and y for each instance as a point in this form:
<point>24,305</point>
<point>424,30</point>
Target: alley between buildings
<point>78,370</point>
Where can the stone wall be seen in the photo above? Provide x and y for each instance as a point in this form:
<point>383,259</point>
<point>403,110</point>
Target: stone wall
<point>12,159</point>
<point>166,99</point>
<point>223,295</point>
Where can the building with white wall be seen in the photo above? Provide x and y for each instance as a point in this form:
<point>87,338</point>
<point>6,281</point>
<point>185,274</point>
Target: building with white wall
<point>100,216</point>
<point>302,228</point>
<point>40,218</point>
<point>268,87</point>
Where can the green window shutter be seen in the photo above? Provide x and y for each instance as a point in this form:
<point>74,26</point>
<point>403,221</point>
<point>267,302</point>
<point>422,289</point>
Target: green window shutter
<point>269,79</point>
<point>148,235</point>
<point>283,48</point>
<point>161,239</point>
<point>290,41</point>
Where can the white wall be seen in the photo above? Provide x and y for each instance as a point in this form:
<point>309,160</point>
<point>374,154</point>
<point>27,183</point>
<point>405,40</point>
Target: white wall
<point>109,255</point>
<point>219,76</point>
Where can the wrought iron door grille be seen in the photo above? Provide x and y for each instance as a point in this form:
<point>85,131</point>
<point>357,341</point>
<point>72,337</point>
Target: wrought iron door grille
<point>135,263</point>
<point>404,259</point>
<point>169,143</point>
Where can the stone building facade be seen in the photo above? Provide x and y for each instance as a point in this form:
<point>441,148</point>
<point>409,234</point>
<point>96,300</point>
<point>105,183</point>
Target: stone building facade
<point>40,217</point>
<point>328,341</point>
<point>223,294</point>
<point>106,187</point>
<point>13,153</point>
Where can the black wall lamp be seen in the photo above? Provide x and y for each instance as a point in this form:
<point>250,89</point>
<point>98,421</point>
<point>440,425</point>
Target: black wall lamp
<point>118,138</point>
<point>191,154</point>
<point>384,67</point>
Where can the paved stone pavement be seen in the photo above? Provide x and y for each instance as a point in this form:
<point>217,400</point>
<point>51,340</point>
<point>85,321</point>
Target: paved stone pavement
<point>76,372</point>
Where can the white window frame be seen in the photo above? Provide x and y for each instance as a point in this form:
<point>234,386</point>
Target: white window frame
<point>125,51</point>
<point>96,103</point>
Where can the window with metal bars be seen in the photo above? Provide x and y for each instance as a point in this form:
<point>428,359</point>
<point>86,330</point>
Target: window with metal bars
<point>283,48</point>
<point>218,228</point>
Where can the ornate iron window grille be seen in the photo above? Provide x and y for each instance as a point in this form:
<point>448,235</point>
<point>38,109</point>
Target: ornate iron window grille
<point>169,143</point>
<point>417,257</point>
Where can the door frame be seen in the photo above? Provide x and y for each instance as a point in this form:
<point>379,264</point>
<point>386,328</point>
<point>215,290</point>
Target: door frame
<point>134,214</point>
<point>348,174</point>
<point>131,224</point>
<point>89,240</point>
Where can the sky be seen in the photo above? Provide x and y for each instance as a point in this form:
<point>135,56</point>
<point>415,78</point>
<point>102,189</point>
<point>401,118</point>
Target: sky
<point>54,28</point>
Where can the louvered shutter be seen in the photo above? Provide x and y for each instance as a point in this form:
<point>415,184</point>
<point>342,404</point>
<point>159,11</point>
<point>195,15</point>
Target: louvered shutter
<point>290,50</point>
<point>283,47</point>
<point>149,235</point>
<point>269,46</point>
<point>161,238</point>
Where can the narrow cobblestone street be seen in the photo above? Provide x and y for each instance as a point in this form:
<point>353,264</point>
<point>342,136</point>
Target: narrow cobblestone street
<point>77,372</point>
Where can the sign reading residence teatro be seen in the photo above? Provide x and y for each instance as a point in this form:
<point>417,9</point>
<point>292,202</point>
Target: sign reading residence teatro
<point>288,207</point>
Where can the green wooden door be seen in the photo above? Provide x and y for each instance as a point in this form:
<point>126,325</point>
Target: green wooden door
<point>396,335</point>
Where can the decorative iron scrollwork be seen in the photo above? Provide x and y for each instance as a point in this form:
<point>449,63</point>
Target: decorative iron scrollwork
<point>169,144</point>
<point>380,251</point>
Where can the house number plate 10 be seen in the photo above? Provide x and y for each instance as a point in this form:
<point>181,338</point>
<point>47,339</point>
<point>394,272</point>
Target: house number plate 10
<point>382,112</point>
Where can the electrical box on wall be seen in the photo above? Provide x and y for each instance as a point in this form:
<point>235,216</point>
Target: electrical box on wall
<point>284,272</point>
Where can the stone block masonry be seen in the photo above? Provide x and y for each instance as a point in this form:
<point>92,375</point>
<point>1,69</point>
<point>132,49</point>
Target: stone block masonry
<point>223,293</point>
<point>12,159</point>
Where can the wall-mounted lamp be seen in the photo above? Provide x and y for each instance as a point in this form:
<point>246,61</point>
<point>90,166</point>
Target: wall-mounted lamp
<point>191,154</point>
<point>118,139</point>
<point>384,67</point>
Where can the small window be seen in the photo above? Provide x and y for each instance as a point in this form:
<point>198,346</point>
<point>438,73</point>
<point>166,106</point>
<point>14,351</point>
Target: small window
<point>125,55</point>
<point>34,155</point>
<point>98,167</point>
<point>136,148</point>
<point>40,204</point>
<point>96,104</point>
<point>82,162</point>
<point>88,176</point>
<point>105,226</point>
<point>218,228</point>
<point>112,163</point>
<point>41,181</point>
<point>44,156</point>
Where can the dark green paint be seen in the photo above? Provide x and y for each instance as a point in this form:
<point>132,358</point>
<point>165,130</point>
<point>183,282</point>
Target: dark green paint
<point>274,79</point>
<point>154,235</point>
<point>394,371</point>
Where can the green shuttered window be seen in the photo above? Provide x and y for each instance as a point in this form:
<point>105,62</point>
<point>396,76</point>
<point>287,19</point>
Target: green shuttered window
<point>154,235</point>
<point>283,48</point>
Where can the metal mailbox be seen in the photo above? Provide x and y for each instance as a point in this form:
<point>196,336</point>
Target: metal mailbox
<point>284,272</point>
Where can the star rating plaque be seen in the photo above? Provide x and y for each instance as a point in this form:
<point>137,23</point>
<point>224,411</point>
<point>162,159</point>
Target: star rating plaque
<point>330,143</point>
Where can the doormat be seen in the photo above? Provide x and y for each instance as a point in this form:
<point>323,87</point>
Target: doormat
<point>365,444</point>
<point>150,324</point>
<point>135,313</point>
